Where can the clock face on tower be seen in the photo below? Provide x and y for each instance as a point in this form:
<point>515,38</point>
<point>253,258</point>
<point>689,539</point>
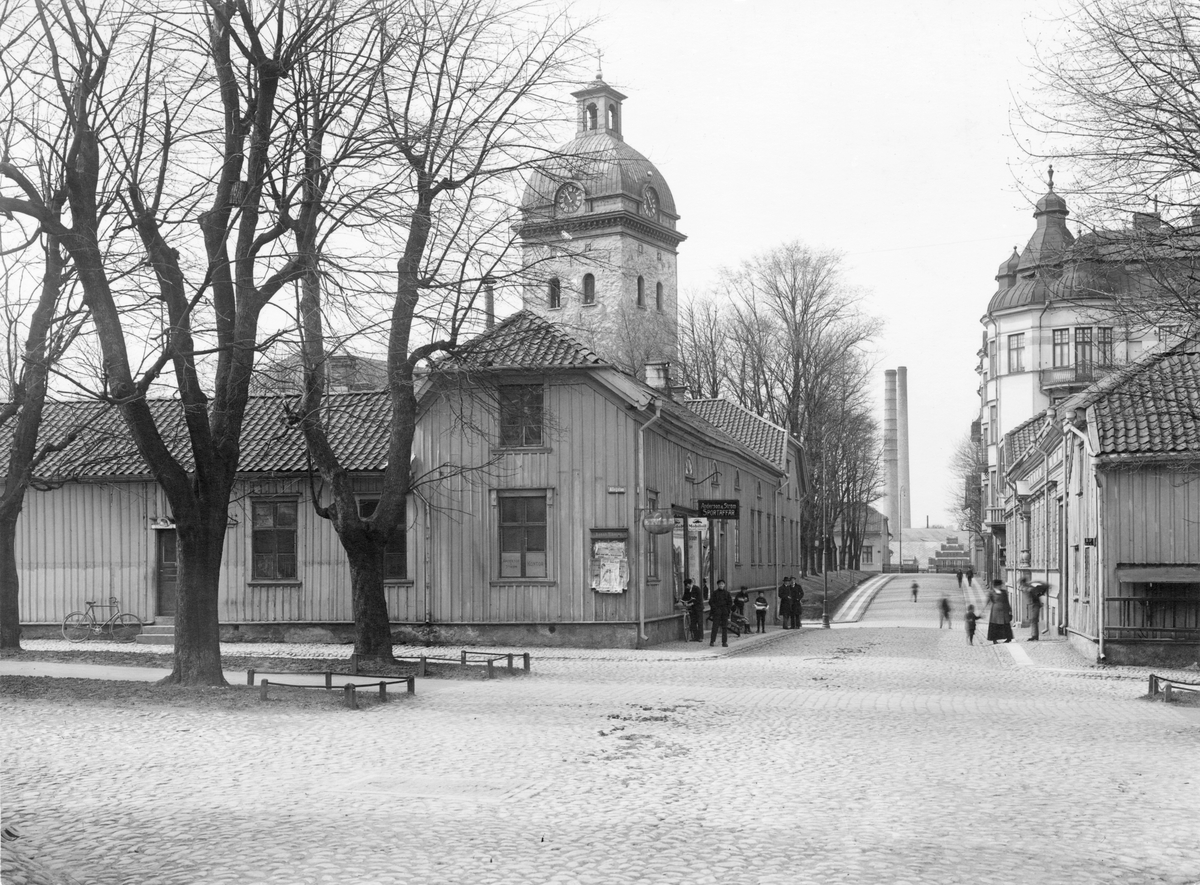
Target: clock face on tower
<point>650,202</point>
<point>569,198</point>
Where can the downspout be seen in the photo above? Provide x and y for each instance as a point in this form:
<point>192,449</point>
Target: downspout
<point>643,502</point>
<point>1064,560</point>
<point>1099,547</point>
<point>779,491</point>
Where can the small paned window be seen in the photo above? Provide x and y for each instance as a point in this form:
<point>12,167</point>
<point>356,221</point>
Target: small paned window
<point>274,540</point>
<point>554,294</point>
<point>395,554</point>
<point>737,544</point>
<point>868,554</point>
<point>589,289</point>
<point>1061,351</point>
<point>641,291</point>
<point>522,535</point>
<point>993,359</point>
<point>714,474</point>
<point>1085,355</point>
<point>1104,347</point>
<point>658,297</point>
<point>737,479</point>
<point>521,414</point>
<point>1016,352</point>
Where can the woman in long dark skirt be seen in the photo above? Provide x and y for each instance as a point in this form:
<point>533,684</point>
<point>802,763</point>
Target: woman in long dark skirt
<point>1000,618</point>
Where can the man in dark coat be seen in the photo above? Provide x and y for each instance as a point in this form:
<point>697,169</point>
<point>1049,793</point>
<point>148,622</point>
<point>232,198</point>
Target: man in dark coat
<point>1036,591</point>
<point>785,603</point>
<point>720,604</point>
<point>797,599</point>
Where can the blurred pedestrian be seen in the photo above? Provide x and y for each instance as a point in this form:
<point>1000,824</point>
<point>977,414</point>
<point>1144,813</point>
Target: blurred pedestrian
<point>970,618</point>
<point>760,612</point>
<point>1000,617</point>
<point>915,588</point>
<point>958,574</point>
<point>694,599</point>
<point>970,576</point>
<point>944,612</point>
<point>720,604</point>
<point>1036,591</point>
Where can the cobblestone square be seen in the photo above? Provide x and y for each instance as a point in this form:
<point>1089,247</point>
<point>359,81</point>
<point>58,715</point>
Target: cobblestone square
<point>883,751</point>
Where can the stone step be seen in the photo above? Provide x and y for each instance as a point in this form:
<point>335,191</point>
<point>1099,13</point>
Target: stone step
<point>155,639</point>
<point>158,628</point>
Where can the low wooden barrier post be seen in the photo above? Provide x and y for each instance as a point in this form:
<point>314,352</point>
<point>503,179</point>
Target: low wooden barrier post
<point>526,657</point>
<point>491,673</point>
<point>464,658</point>
<point>328,680</point>
<point>383,692</point>
<point>250,677</point>
<point>1167,694</point>
<point>262,690</point>
<point>421,667</point>
<point>510,663</point>
<point>348,697</point>
<point>412,684</point>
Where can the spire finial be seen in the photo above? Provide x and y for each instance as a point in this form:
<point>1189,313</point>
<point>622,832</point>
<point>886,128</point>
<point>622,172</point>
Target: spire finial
<point>599,64</point>
<point>1051,176</point>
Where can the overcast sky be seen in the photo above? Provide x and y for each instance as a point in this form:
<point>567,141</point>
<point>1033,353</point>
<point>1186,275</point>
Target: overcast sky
<point>881,129</point>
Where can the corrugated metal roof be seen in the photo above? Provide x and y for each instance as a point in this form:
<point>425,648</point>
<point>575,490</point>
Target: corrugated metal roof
<point>766,439</point>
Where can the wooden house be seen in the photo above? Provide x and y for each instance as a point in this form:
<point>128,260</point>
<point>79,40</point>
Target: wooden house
<point>540,465</point>
<point>1104,505</point>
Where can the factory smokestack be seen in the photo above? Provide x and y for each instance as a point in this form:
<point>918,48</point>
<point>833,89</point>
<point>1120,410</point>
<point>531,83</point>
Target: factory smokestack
<point>902,446</point>
<point>891,474</point>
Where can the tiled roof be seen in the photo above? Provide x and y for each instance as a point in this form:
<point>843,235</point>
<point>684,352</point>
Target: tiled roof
<point>1021,438</point>
<point>1152,408</point>
<point>524,341</point>
<point>766,439</point>
<point>357,424</point>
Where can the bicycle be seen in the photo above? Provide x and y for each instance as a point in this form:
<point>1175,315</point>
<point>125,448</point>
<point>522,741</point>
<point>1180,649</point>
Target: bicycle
<point>120,626</point>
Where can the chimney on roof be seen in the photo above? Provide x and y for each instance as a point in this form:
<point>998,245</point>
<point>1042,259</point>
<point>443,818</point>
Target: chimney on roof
<point>1147,220</point>
<point>489,303</point>
<point>658,375</point>
<point>678,392</point>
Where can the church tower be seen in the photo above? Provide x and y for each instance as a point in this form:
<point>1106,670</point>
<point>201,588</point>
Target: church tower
<point>600,241</point>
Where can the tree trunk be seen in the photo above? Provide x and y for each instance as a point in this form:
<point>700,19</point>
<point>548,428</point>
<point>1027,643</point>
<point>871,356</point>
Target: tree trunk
<point>10,608</point>
<point>373,632</point>
<point>197,627</point>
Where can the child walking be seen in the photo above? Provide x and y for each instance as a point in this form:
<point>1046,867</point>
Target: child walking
<point>970,617</point>
<point>760,612</point>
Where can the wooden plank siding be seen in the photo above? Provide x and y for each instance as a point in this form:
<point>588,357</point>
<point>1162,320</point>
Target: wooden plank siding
<point>86,541</point>
<point>1150,516</point>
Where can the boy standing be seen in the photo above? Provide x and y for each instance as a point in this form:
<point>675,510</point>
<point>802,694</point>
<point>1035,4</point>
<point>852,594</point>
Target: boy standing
<point>760,612</point>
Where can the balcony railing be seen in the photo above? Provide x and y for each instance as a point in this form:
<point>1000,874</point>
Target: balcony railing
<point>993,516</point>
<point>1071,376</point>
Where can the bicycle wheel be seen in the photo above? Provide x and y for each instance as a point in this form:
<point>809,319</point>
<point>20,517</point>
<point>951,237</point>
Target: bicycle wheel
<point>76,627</point>
<point>125,627</point>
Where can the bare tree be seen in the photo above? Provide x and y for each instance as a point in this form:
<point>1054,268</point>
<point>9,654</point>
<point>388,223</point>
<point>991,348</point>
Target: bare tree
<point>1117,102</point>
<point>181,170</point>
<point>49,324</point>
<point>467,91</point>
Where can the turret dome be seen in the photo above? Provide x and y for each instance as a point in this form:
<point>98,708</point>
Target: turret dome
<point>597,172</point>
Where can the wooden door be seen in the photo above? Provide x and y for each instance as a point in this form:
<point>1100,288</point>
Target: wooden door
<point>168,572</point>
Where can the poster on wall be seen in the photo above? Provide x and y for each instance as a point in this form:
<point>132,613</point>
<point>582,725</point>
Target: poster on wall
<point>610,565</point>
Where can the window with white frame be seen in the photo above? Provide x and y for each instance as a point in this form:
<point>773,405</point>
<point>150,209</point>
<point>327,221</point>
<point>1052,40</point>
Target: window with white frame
<point>1061,348</point>
<point>1104,346</point>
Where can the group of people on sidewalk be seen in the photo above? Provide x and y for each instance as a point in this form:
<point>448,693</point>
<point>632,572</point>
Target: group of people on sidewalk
<point>724,607</point>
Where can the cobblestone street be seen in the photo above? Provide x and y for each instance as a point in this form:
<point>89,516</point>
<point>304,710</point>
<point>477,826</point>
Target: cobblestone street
<point>884,751</point>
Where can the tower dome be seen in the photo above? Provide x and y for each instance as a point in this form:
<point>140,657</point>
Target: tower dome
<point>597,172</point>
